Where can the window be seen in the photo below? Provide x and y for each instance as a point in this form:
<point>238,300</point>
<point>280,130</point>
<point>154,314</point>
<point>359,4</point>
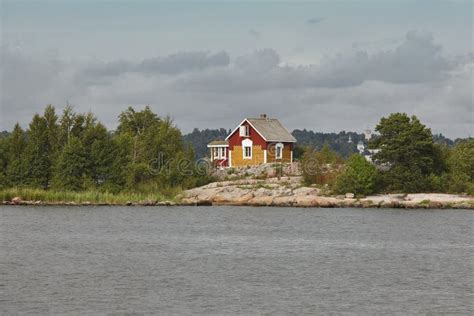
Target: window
<point>221,153</point>
<point>279,151</point>
<point>244,131</point>
<point>247,152</point>
<point>247,148</point>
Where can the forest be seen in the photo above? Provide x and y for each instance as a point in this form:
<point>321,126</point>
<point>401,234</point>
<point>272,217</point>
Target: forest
<point>75,152</point>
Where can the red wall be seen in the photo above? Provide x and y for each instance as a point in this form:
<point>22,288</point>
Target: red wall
<point>236,140</point>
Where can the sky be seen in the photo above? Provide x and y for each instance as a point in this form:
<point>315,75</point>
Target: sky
<point>326,66</point>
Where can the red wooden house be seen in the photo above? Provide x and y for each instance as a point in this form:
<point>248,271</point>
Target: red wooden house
<point>254,141</point>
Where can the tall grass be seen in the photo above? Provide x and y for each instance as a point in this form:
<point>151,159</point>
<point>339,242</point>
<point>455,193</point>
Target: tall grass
<point>93,197</point>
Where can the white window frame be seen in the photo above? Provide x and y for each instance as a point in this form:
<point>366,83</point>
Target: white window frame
<point>244,131</point>
<point>221,153</point>
<point>279,154</point>
<point>247,143</point>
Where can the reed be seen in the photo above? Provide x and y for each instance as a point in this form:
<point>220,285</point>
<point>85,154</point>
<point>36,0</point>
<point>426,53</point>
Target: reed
<point>93,197</point>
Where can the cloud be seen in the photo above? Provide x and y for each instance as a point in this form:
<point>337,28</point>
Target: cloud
<point>417,59</point>
<point>171,65</point>
<point>315,20</point>
<point>255,33</point>
<point>349,91</point>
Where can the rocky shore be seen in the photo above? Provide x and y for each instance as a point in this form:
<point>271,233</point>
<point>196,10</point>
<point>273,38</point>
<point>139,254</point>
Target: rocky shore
<point>287,191</point>
<point>19,201</point>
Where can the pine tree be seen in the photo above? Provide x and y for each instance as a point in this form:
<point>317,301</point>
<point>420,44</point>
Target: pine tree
<point>38,154</point>
<point>71,167</point>
<point>3,161</point>
<point>406,146</point>
<point>52,132</point>
<point>16,169</point>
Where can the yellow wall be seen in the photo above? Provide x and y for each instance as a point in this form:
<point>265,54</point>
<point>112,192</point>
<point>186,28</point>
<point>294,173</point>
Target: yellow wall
<point>239,161</point>
<point>285,158</point>
<point>258,156</point>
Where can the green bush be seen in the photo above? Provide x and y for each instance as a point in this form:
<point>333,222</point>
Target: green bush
<point>320,167</point>
<point>359,177</point>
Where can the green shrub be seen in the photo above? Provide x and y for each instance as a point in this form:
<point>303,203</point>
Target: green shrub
<point>359,177</point>
<point>320,167</point>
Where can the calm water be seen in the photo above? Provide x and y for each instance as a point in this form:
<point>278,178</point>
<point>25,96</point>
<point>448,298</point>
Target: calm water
<point>76,260</point>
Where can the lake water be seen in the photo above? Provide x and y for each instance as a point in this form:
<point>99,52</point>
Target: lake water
<point>235,260</point>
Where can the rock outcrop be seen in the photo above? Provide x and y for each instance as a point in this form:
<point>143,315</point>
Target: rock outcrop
<point>287,191</point>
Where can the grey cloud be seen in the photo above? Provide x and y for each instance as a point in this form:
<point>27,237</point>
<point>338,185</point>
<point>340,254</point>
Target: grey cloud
<point>315,20</point>
<point>262,60</point>
<point>170,65</point>
<point>255,33</point>
<point>417,59</point>
<point>349,91</point>
<point>377,43</point>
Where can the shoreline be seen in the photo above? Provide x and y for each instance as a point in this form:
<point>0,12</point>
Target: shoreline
<point>270,192</point>
<point>320,204</point>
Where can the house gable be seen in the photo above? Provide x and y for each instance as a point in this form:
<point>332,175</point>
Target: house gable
<point>234,138</point>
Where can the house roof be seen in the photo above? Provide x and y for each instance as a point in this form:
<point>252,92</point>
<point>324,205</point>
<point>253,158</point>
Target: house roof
<point>218,143</point>
<point>270,129</point>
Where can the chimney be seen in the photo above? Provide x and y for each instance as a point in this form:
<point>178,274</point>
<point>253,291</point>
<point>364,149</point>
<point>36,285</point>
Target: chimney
<point>264,116</point>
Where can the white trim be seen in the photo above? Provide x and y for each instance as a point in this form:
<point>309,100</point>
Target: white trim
<point>212,146</point>
<point>281,146</point>
<point>264,156</point>
<point>291,156</point>
<point>247,143</point>
<point>220,153</point>
<point>230,158</point>
<point>246,120</point>
<point>244,130</point>
<point>235,129</point>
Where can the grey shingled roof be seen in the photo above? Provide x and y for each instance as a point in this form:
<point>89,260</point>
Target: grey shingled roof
<point>271,130</point>
<point>218,143</point>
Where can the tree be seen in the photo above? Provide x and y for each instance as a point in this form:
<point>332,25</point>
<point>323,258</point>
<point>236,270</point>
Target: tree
<point>66,124</point>
<point>406,146</point>
<point>137,124</point>
<point>16,168</point>
<point>359,177</point>
<point>71,167</point>
<point>320,167</point>
<point>38,154</point>
<point>104,158</point>
<point>461,167</point>
<point>52,129</point>
<point>3,161</point>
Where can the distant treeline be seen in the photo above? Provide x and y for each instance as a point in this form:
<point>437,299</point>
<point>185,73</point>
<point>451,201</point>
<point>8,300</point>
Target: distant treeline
<point>338,142</point>
<point>200,138</point>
